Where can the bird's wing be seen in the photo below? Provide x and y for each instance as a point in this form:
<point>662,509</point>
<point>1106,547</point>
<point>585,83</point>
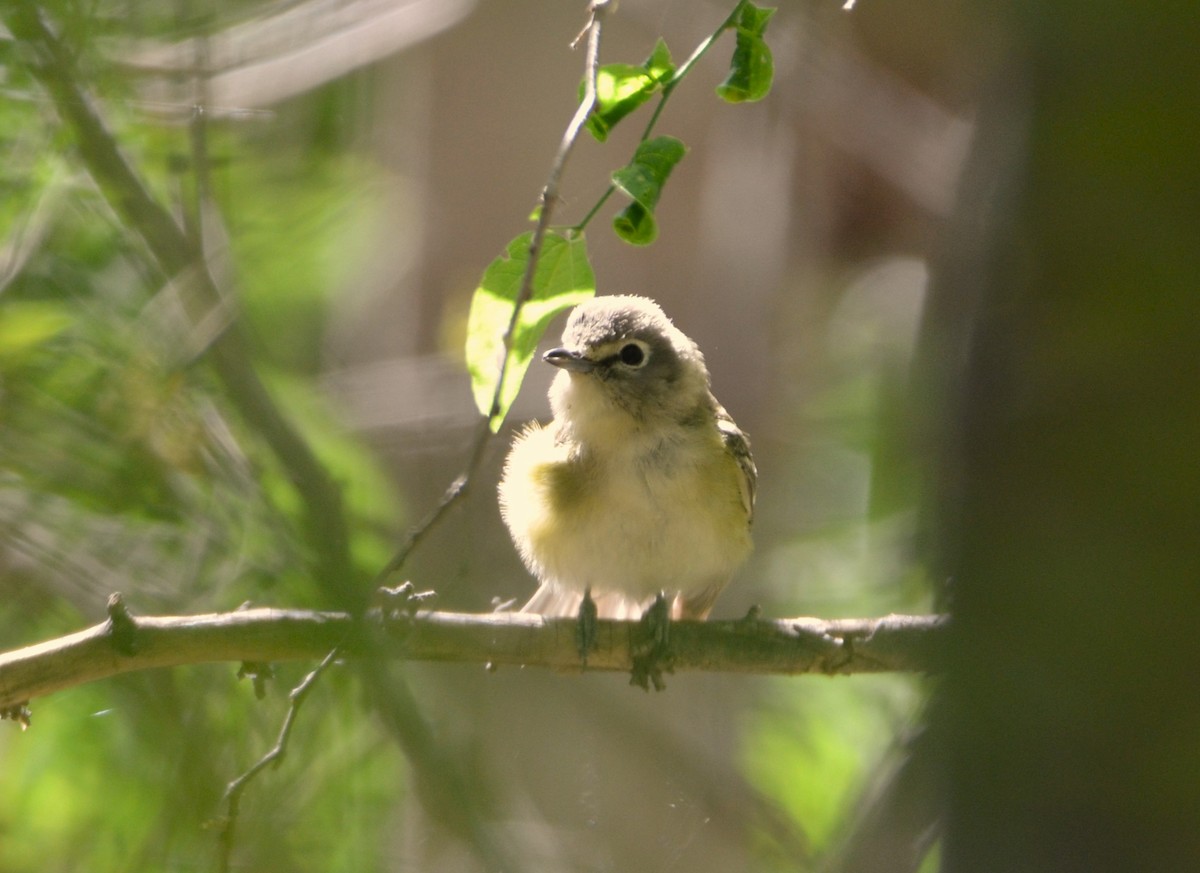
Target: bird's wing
<point>738,445</point>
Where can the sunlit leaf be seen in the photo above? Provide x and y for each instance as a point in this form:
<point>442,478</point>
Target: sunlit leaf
<point>26,325</point>
<point>642,180</point>
<point>330,224</point>
<point>812,752</point>
<point>622,88</point>
<point>751,69</point>
<point>563,279</point>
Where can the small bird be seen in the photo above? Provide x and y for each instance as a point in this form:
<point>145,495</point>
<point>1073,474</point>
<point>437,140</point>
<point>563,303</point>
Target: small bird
<point>642,485</point>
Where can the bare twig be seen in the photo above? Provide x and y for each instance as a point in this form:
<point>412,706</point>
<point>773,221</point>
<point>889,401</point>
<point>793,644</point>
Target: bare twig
<point>778,646</point>
<point>549,200</point>
<point>274,756</point>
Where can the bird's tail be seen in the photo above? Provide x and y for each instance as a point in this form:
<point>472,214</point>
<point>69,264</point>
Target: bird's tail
<point>553,601</point>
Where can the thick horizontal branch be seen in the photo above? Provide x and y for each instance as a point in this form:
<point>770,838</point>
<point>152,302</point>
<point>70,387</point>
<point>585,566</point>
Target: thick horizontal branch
<point>126,643</point>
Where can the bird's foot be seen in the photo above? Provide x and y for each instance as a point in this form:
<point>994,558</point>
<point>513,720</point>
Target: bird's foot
<point>751,619</point>
<point>585,626</point>
<point>652,655</point>
<point>403,601</point>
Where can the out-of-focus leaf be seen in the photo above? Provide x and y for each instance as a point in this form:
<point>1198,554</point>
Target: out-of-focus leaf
<point>752,68</point>
<point>622,88</point>
<point>563,279</point>
<point>298,246</point>
<point>811,751</point>
<point>371,503</point>
<point>642,179</point>
<point>28,324</point>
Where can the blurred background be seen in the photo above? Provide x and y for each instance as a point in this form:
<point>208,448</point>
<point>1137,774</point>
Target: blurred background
<point>355,167</point>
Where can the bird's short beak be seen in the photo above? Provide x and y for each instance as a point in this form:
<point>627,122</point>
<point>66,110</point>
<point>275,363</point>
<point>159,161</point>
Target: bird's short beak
<point>569,360</point>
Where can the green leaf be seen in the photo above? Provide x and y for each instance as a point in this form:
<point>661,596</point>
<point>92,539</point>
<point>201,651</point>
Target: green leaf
<point>563,279</point>
<point>622,88</point>
<point>659,63</point>
<point>26,325</point>
<point>751,69</point>
<point>642,180</point>
<point>635,225</point>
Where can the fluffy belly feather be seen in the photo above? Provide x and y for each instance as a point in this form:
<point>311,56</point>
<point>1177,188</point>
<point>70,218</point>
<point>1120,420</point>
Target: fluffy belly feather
<point>629,526</point>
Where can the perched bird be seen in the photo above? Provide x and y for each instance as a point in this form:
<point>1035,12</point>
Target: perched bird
<point>642,484</point>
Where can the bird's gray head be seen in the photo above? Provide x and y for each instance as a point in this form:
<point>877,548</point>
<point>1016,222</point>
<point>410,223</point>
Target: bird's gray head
<point>623,353</point>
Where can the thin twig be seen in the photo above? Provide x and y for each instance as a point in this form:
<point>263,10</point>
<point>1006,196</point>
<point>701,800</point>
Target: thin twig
<point>549,199</point>
<point>274,756</point>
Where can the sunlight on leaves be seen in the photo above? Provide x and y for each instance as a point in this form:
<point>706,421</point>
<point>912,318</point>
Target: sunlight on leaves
<point>25,325</point>
<point>563,279</point>
<point>642,180</point>
<point>751,69</point>
<point>622,88</point>
<point>813,749</point>
<point>369,498</point>
<point>932,862</point>
<point>297,247</point>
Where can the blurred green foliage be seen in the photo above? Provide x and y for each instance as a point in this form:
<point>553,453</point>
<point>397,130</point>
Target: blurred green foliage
<point>123,466</point>
<point>815,752</point>
<point>129,775</point>
<point>296,246</point>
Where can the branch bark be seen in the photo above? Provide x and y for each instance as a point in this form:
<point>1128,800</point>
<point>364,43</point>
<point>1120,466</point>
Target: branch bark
<point>779,646</point>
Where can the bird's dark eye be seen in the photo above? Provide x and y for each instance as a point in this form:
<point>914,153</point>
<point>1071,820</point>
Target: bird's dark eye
<point>632,355</point>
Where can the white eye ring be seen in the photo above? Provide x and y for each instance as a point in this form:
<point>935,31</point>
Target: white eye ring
<point>634,354</point>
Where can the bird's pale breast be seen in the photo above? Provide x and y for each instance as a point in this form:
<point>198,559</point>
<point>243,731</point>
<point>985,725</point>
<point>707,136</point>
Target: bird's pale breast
<point>662,514</point>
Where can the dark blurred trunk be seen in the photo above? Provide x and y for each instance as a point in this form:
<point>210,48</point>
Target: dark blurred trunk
<point>1070,504</point>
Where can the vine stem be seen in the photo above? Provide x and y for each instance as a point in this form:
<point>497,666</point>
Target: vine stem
<point>667,89</point>
<point>549,198</point>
